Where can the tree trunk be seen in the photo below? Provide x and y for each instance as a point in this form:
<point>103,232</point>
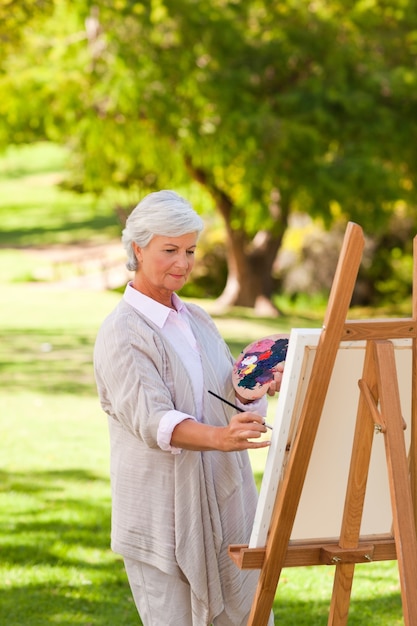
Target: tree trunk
<point>250,264</point>
<point>249,261</point>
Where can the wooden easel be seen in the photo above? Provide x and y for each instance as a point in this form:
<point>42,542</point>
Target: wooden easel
<point>378,410</point>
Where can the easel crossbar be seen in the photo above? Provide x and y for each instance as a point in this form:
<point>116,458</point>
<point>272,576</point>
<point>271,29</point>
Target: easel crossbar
<point>356,330</point>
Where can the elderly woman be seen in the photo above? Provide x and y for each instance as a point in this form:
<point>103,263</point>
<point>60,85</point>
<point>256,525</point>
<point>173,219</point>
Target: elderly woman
<point>182,484</point>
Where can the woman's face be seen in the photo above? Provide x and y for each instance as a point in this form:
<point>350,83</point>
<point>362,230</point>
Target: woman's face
<point>164,265</point>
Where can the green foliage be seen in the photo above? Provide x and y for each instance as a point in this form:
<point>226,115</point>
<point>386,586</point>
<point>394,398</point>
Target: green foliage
<point>38,210</point>
<point>15,16</point>
<point>313,101</point>
<point>273,107</point>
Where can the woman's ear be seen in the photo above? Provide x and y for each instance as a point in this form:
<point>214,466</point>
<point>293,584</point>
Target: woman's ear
<point>138,251</point>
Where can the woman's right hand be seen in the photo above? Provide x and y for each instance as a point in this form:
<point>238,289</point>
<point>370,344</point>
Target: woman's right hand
<point>243,432</point>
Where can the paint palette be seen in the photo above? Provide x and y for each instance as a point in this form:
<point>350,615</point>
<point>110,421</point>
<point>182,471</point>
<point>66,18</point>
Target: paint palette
<point>254,369</point>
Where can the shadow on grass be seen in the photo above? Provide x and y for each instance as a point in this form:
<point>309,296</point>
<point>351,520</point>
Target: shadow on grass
<point>39,605</point>
<point>49,361</point>
<point>63,231</point>
<point>54,506</point>
<point>56,565</point>
<point>45,481</point>
<point>372,612</point>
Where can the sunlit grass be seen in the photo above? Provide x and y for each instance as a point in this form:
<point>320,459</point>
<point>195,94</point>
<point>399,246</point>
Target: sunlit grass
<point>56,565</point>
<point>30,159</point>
<point>37,211</point>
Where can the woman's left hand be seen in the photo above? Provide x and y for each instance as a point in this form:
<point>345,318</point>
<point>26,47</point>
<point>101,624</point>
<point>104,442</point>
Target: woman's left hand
<point>275,385</point>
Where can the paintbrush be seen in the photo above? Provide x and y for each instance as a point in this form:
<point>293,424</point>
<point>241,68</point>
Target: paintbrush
<point>234,406</point>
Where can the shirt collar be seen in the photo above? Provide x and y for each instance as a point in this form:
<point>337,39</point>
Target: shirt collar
<point>155,311</point>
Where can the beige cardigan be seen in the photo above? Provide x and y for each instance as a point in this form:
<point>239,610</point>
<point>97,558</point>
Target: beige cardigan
<point>178,512</point>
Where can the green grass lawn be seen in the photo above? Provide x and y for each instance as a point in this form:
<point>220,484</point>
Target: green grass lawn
<point>55,563</point>
<point>56,566</point>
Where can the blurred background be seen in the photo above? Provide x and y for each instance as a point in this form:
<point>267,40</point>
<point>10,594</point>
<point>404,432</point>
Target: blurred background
<point>280,121</point>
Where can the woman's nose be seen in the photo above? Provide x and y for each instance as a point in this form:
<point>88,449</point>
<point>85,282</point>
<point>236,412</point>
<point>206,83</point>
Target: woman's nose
<point>182,260</point>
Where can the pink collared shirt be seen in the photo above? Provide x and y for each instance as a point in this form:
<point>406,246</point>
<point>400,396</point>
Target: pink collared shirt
<point>177,330</point>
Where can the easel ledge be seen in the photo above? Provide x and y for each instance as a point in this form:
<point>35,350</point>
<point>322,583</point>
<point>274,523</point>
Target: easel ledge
<point>320,552</point>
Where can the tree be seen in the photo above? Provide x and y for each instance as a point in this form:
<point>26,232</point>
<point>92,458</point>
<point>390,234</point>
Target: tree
<point>273,107</point>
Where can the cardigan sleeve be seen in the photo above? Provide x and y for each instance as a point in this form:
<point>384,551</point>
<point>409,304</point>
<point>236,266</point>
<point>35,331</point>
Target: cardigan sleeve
<point>166,428</point>
<point>134,375</point>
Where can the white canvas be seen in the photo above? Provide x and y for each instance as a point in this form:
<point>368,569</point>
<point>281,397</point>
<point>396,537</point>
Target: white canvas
<point>321,505</point>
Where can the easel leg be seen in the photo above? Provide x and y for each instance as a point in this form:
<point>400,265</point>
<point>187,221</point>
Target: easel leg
<point>413,426</point>
<point>288,497</point>
<point>355,495</point>
<point>413,436</point>
<point>342,588</point>
<point>398,475</point>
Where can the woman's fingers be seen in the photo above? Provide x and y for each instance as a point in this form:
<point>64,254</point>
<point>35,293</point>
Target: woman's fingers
<point>275,385</point>
<point>244,428</point>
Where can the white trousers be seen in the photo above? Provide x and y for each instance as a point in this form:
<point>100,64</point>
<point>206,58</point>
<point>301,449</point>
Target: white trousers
<point>165,600</point>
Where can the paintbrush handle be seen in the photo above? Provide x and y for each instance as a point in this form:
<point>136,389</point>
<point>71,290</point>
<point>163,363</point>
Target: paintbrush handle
<point>234,406</point>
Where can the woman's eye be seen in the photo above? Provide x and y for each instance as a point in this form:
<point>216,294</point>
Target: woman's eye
<point>172,250</point>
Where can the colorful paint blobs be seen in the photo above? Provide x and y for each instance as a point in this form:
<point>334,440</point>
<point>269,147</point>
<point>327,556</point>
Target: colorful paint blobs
<point>254,370</point>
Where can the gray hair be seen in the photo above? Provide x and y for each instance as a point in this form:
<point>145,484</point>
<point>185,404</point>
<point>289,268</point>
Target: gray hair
<point>159,213</point>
